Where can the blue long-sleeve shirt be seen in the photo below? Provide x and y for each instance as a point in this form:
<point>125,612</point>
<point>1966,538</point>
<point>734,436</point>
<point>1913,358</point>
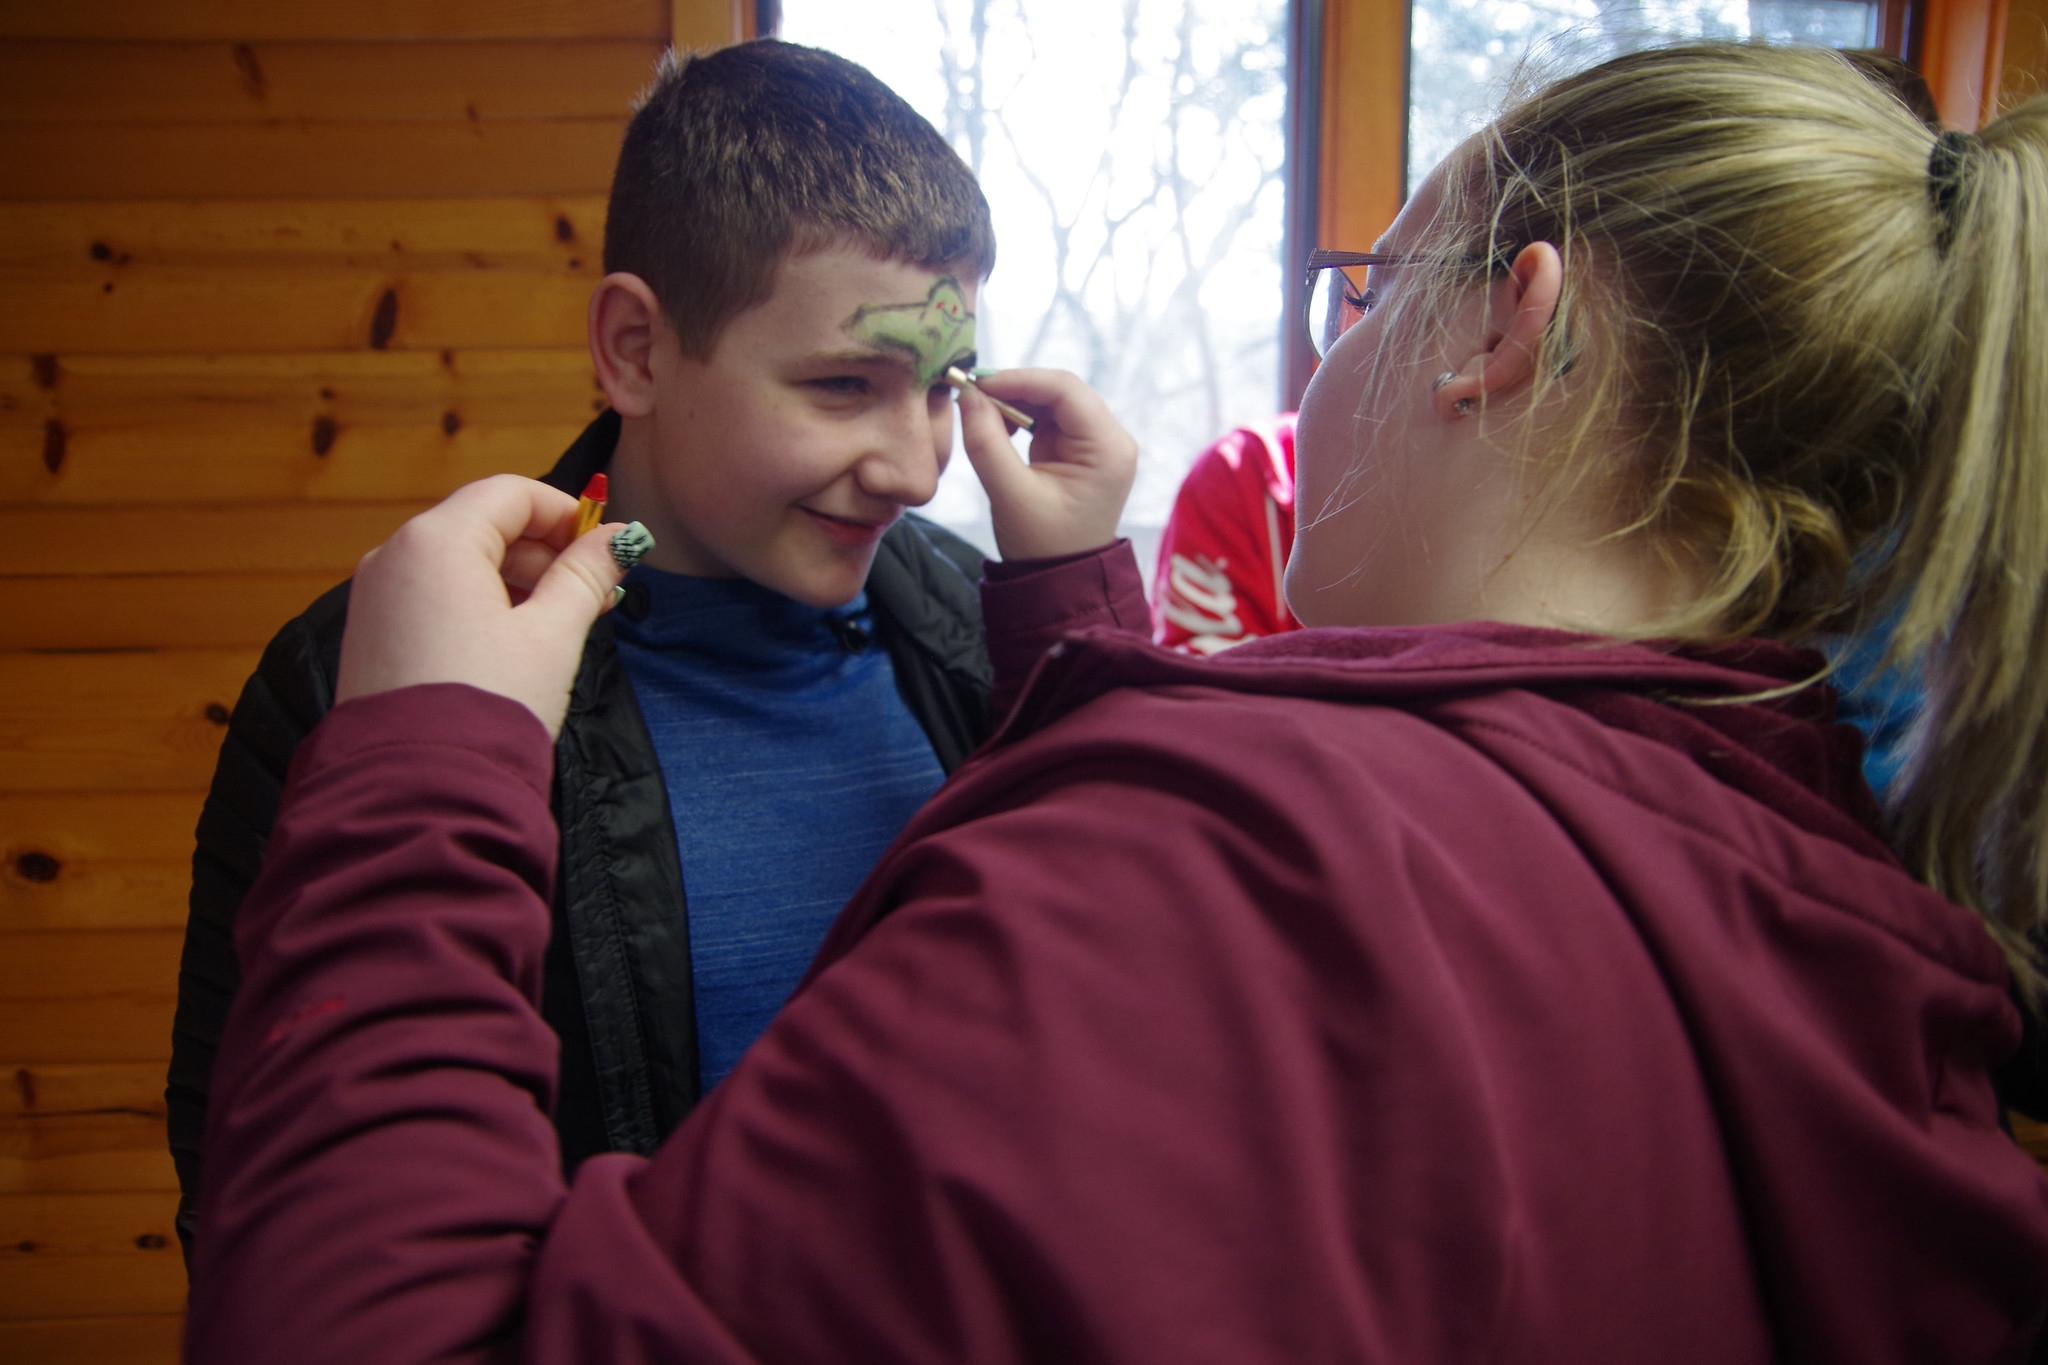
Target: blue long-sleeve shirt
<point>791,761</point>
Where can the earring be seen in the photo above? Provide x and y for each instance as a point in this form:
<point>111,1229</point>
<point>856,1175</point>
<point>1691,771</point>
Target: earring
<point>1463,407</point>
<point>1446,377</point>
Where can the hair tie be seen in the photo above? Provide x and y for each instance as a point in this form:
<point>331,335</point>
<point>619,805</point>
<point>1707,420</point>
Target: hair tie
<point>1945,180</point>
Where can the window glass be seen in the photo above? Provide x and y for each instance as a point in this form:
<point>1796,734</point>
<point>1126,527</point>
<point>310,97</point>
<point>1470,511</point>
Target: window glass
<point>1462,54</point>
<point>1132,153</point>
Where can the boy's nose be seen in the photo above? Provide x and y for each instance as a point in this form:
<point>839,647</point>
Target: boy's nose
<point>902,465</point>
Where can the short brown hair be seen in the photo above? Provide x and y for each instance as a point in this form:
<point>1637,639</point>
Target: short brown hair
<point>740,157</point>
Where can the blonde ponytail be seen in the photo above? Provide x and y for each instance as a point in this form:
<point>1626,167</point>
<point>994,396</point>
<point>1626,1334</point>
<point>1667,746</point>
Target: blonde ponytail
<point>1814,334</point>
<point>1971,808</point>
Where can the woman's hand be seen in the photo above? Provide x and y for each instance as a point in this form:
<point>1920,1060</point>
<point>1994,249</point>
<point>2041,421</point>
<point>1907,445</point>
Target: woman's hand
<point>1070,494</point>
<point>490,588</point>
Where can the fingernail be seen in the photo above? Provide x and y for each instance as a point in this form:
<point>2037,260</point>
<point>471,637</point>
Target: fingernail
<point>984,371</point>
<point>618,595</point>
<point>631,545</point>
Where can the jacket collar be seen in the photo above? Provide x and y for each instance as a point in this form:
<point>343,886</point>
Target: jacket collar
<point>1393,664</point>
<point>935,603</point>
<point>1768,726</point>
<point>586,455</point>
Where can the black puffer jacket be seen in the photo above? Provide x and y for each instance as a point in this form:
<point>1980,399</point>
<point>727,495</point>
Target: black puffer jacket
<point>618,967</point>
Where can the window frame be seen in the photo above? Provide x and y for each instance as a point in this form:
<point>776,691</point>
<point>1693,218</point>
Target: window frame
<point>1347,110</point>
<point>1348,119</point>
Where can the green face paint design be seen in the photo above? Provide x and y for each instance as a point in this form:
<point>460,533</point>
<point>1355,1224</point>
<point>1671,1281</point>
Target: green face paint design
<point>936,333</point>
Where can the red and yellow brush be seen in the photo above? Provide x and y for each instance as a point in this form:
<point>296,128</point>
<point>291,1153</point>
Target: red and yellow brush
<point>590,507</point>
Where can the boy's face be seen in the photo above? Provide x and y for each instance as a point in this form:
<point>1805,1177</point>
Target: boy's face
<point>818,418</point>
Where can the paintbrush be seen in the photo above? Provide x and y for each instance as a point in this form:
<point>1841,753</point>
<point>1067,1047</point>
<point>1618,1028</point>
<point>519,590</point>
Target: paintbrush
<point>964,381</point>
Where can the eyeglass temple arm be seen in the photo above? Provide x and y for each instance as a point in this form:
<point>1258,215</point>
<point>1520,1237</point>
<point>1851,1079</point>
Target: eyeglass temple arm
<point>1322,259</point>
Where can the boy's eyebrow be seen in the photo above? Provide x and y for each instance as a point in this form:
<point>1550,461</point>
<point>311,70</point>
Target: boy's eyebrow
<point>880,355</point>
<point>860,355</point>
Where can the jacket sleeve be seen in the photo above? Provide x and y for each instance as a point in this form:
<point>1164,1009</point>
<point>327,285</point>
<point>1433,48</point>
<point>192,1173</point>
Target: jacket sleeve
<point>379,1156</point>
<point>289,692</point>
<point>383,1181</point>
<point>1027,605</point>
<point>1049,1109</point>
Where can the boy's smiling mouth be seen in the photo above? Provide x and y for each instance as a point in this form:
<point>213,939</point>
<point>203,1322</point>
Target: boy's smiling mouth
<point>850,531</point>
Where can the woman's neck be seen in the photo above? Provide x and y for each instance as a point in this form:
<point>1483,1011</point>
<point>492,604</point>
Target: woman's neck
<point>1571,581</point>
<point>1488,548</point>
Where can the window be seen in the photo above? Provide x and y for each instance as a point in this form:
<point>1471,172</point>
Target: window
<point>1400,82</point>
<point>1133,153</point>
<point>1136,156</point>
<point>1462,53</point>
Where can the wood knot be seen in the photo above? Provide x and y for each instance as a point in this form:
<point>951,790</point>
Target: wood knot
<point>45,369</point>
<point>218,714</point>
<point>55,443</point>
<point>100,251</point>
<point>250,70</point>
<point>36,866</point>
<point>565,231</point>
<point>152,1241</point>
<point>324,432</point>
<point>451,421</point>
<point>385,320</point>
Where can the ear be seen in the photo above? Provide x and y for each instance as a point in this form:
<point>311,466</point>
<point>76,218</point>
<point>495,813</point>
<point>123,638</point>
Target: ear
<point>1520,310</point>
<point>624,320</point>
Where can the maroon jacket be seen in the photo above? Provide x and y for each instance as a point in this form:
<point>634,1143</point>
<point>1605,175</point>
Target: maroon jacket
<point>1416,996</point>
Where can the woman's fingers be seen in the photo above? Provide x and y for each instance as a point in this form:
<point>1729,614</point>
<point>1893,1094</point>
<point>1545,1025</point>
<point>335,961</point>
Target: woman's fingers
<point>1070,495</point>
<point>525,562</point>
<point>494,514</point>
<point>987,439</point>
<point>578,585</point>
<point>1082,423</point>
<point>490,587</point>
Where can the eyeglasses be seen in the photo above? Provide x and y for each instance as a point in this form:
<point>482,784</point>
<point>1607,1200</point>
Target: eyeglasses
<point>1337,299</point>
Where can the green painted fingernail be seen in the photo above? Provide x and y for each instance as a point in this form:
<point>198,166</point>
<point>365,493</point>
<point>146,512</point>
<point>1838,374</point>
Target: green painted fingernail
<point>631,545</point>
<point>984,371</point>
<point>618,594</point>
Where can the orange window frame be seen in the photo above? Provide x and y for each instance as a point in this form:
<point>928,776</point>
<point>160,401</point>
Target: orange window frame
<point>1349,112</point>
<point>1959,45</point>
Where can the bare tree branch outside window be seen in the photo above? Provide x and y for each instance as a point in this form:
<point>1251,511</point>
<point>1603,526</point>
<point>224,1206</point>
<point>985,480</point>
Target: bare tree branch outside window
<point>1132,152</point>
<point>1463,53</point>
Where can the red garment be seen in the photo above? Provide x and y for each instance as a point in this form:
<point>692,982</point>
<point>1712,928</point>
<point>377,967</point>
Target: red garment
<point>1223,556</point>
<point>1409,996</point>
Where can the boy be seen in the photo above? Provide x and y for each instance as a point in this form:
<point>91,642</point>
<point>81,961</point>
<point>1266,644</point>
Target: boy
<point>792,259</point>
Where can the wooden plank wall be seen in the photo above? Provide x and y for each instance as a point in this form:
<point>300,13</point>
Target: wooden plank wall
<point>273,274</point>
<point>2025,51</point>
